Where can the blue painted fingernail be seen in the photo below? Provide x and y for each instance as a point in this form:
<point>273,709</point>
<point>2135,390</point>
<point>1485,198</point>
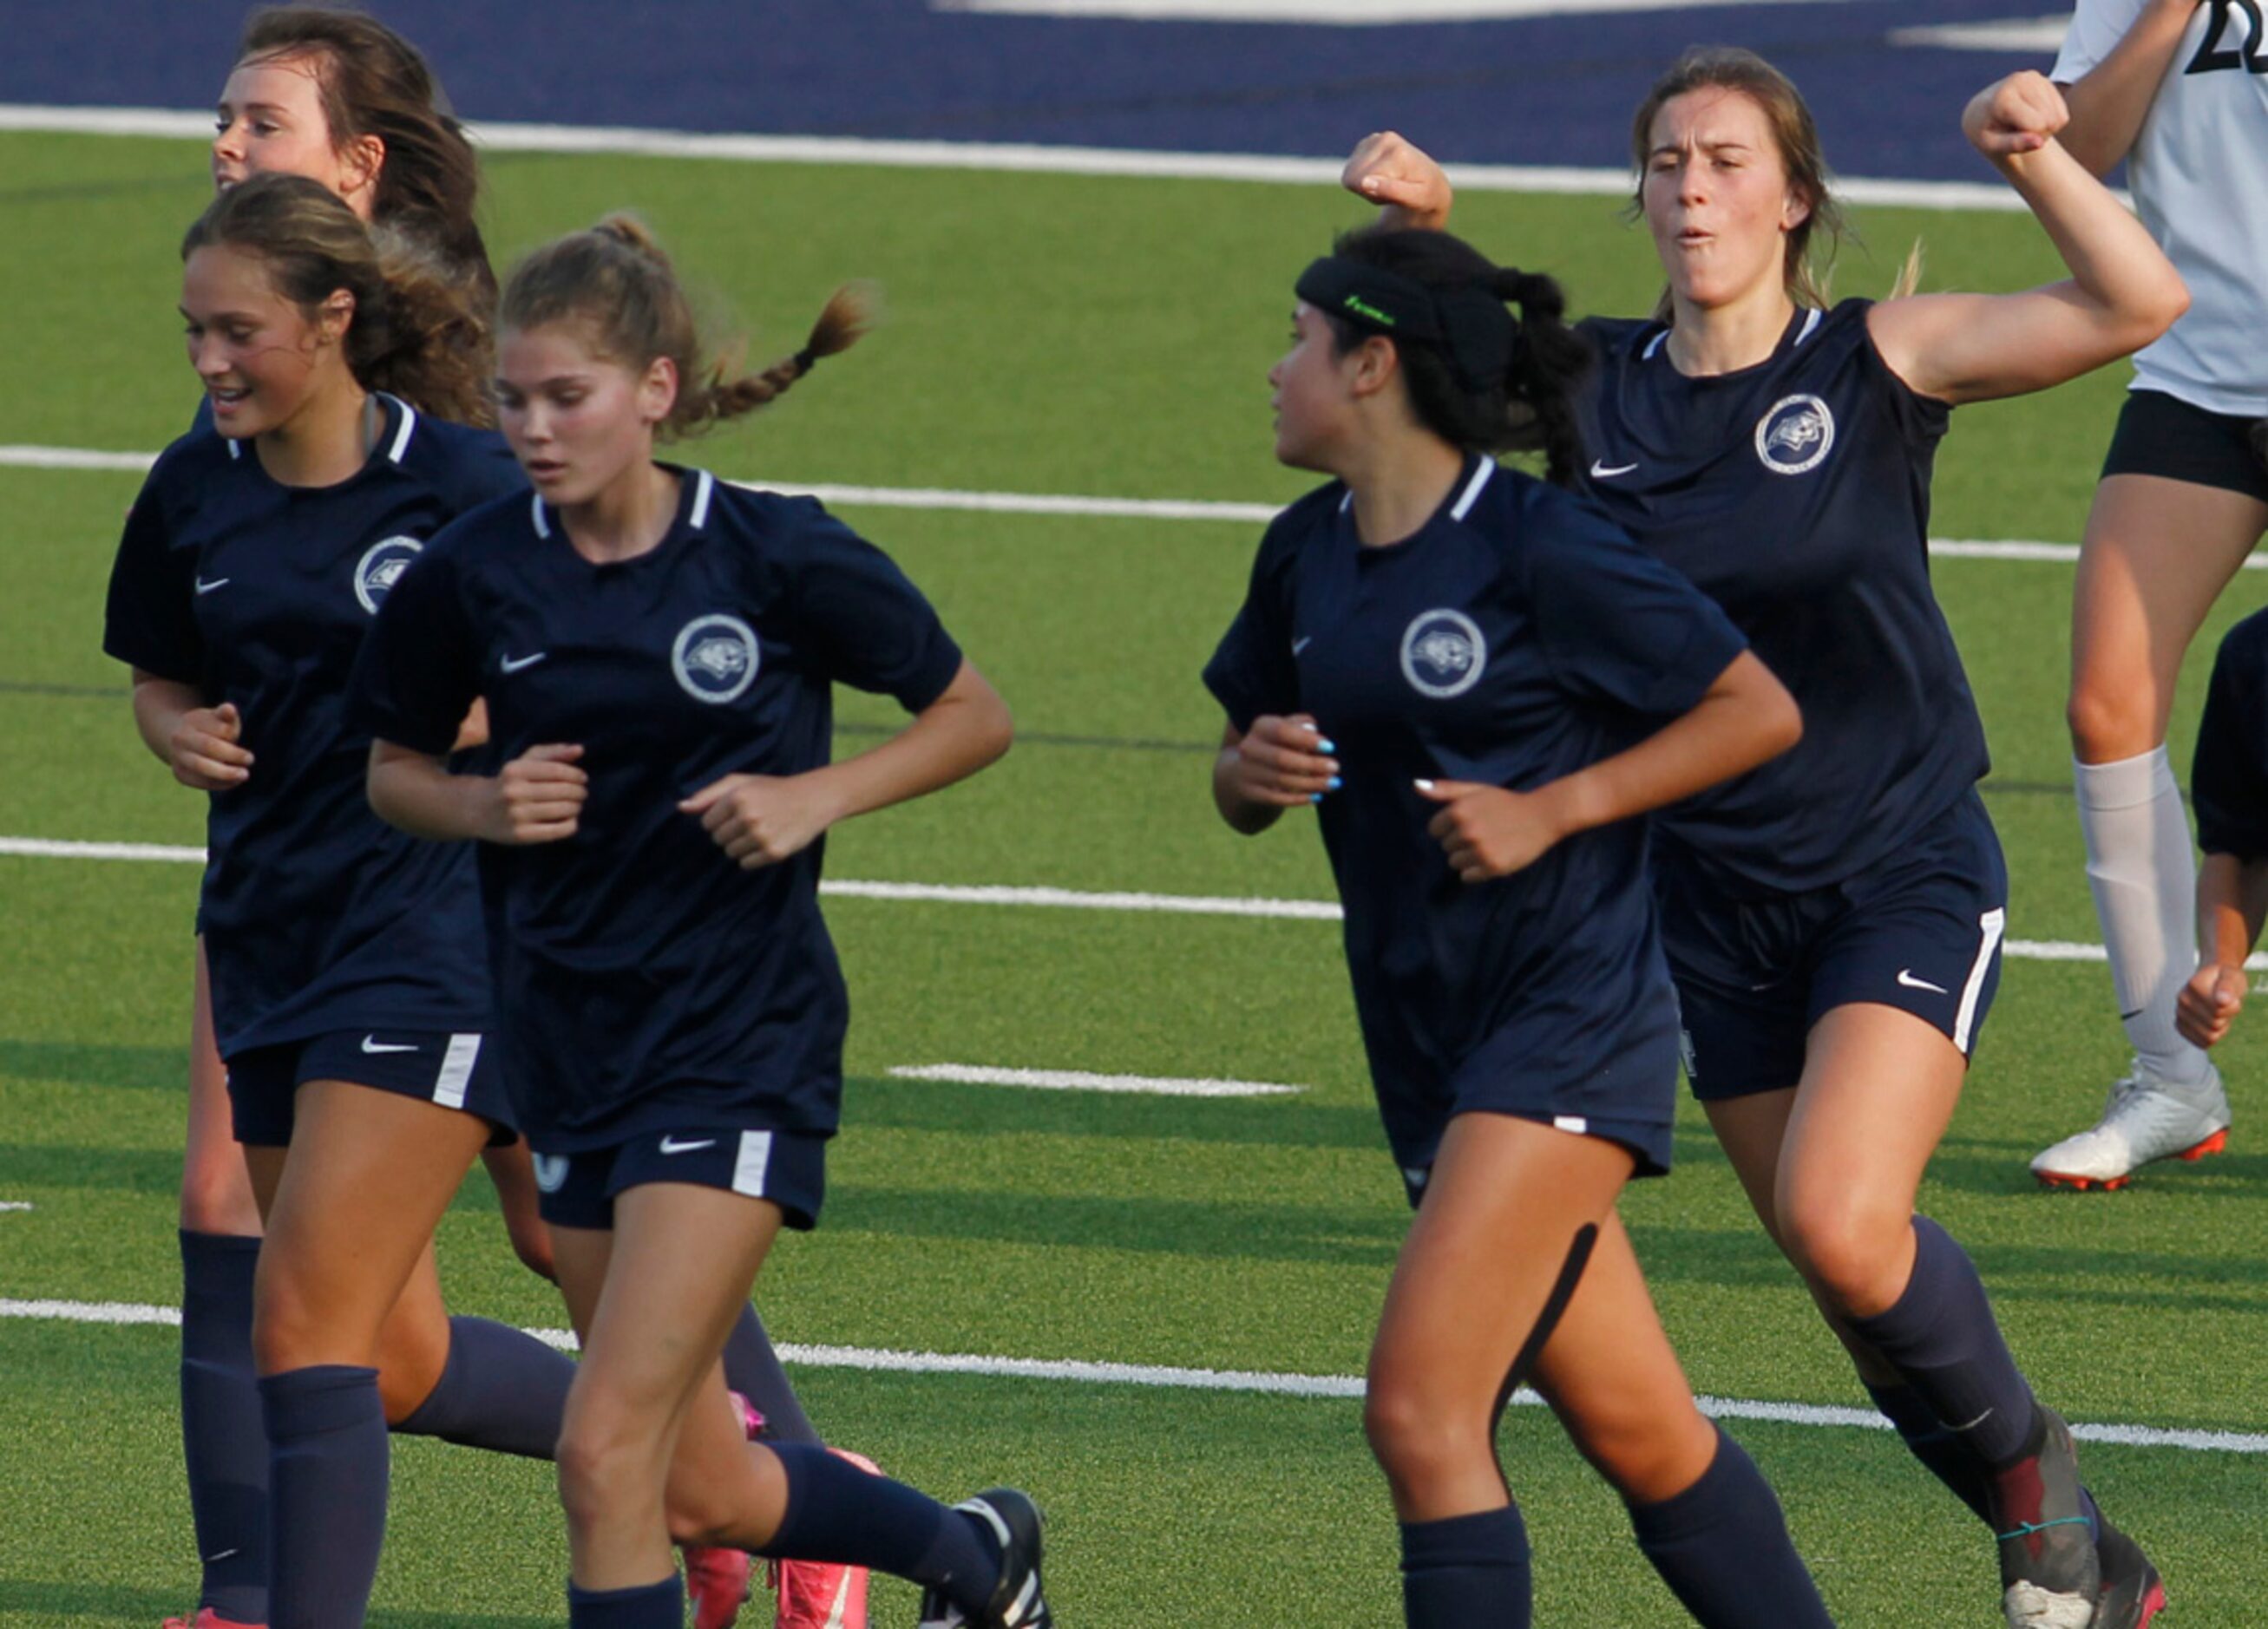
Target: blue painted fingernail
<point>1314,797</point>
<point>1327,746</point>
<point>1336,783</point>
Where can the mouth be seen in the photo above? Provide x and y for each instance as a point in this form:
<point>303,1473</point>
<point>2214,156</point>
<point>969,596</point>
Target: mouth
<point>222,179</point>
<point>543,470</point>
<point>225,402</point>
<point>1694,238</point>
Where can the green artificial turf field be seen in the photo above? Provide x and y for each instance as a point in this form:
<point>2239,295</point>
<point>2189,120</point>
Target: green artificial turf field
<point>1104,338</point>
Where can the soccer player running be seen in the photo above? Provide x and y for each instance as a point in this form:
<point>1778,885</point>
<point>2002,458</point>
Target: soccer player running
<point>1834,920</point>
<point>657,651</point>
<point>338,97</point>
<point>2179,90</point>
<point>348,976</point>
<point>1480,680</point>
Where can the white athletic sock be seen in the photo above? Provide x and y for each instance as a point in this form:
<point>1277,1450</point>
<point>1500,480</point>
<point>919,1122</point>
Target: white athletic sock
<point>2139,865</point>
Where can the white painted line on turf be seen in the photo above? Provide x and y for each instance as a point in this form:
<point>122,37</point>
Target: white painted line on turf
<point>1329,13</point>
<point>1169,1377</point>
<point>1012,157</point>
<point>995,893</point>
<point>16,1204</point>
<point>1081,1080</point>
<point>2042,34</point>
<point>19,456</point>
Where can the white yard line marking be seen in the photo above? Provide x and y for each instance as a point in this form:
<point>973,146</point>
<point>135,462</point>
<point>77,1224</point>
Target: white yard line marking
<point>994,893</point>
<point>1012,158</point>
<point>1076,505</point>
<point>1081,1080</point>
<point>1162,1376</point>
<point>16,1204</point>
<point>2042,34</point>
<point>1329,13</point>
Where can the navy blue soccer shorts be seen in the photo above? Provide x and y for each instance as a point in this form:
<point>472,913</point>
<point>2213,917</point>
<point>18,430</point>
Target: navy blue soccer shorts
<point>2162,435</point>
<point>579,1190</point>
<point>457,1071</point>
<point>1919,930</point>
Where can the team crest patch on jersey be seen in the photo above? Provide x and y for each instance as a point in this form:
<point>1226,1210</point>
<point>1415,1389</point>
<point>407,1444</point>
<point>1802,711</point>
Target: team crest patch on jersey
<point>1443,653</point>
<point>1795,435</point>
<point>715,657</point>
<point>380,567</point>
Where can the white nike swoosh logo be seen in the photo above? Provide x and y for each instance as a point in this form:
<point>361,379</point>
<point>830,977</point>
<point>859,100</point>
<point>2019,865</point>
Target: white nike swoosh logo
<point>1906,978</point>
<point>371,1045</point>
<point>1600,472</point>
<point>213,1560</point>
<point>204,587</point>
<point>513,664</point>
<point>670,1145</point>
<point>1298,645</point>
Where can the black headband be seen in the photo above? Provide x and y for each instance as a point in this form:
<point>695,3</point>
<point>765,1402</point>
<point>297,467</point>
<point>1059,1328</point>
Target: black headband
<point>1470,324</point>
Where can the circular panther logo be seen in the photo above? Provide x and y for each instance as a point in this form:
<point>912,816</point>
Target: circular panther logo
<point>715,657</point>
<point>380,567</point>
<point>1443,653</point>
<point>1795,435</point>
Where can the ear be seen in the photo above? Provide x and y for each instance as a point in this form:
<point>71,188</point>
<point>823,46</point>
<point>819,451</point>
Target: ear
<point>657,391</point>
<point>1794,210</point>
<point>334,316</point>
<point>1372,365</point>
<point>358,170</point>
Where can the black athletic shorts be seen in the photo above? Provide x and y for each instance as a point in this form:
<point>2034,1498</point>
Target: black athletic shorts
<point>2161,435</point>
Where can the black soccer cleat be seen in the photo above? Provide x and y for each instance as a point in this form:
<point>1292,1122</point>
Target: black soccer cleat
<point>2133,1593</point>
<point>1018,1600</point>
<point>2050,1575</point>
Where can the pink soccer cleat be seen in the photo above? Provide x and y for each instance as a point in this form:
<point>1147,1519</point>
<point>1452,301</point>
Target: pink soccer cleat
<point>716,1579</point>
<point>207,1618</point>
<point>823,1595</point>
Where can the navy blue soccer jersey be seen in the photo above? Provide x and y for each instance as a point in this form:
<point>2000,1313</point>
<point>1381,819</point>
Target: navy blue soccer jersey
<point>1515,638</point>
<point>644,980</point>
<point>2229,779</point>
<point>317,915</point>
<point>1795,494</point>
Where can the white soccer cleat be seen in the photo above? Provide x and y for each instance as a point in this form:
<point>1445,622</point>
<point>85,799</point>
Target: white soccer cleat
<point>2144,1119</point>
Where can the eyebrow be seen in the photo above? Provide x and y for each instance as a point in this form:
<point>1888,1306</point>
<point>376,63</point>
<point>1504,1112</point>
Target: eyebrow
<point>1713,147</point>
<point>252,108</point>
<point>216,317</point>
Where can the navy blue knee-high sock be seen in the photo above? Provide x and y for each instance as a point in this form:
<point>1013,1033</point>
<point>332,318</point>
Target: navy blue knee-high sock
<point>752,1369</point>
<point>1723,1549</point>
<point>1944,1454</point>
<point>224,1439</point>
<point>1941,1338</point>
<point>837,1512</point>
<point>1467,1572</point>
<point>326,1481</point>
<point>648,1606</point>
<point>502,1389</point>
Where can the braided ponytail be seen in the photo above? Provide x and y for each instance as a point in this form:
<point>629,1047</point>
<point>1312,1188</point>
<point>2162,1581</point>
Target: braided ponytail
<point>616,280</point>
<point>1548,364</point>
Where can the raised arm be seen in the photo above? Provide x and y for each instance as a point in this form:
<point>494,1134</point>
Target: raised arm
<point>2110,101</point>
<point>2123,291</point>
<point>1393,173</point>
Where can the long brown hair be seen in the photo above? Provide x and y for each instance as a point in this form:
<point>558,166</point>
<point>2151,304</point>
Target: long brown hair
<point>373,82</point>
<point>615,280</point>
<point>415,331</point>
<point>1728,68</point>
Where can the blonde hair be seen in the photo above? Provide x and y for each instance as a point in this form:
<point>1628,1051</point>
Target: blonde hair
<point>615,280</point>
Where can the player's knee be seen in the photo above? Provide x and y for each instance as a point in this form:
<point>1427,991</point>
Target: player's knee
<point>217,1192</point>
<point>1847,1250</point>
<point>1416,1438</point>
<point>288,1328</point>
<point>604,1465</point>
<point>1646,1457</point>
<point>694,1518</point>
<point>2110,721</point>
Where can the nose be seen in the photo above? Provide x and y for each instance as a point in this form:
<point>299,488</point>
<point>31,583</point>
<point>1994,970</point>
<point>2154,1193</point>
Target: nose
<point>228,142</point>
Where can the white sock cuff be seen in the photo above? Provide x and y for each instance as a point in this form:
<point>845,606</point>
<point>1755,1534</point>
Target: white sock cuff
<point>2126,783</point>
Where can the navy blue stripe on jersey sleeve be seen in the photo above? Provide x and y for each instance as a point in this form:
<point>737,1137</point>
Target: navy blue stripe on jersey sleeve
<point>149,620</point>
<point>1253,671</point>
<point>867,624</point>
<point>1618,626</point>
<point>2229,781</point>
<point>418,671</point>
